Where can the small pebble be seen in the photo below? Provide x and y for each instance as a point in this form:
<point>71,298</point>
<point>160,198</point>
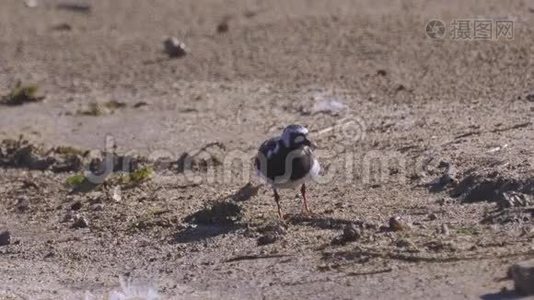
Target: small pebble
<point>405,243</point>
<point>175,48</point>
<point>140,104</point>
<point>223,27</point>
<point>5,238</point>
<point>432,217</point>
<point>76,205</point>
<point>31,3</point>
<point>115,194</point>
<point>62,27</point>
<point>267,238</point>
<point>80,222</point>
<point>23,204</point>
<point>97,206</point>
<point>397,224</point>
<point>445,229</point>
<point>351,233</point>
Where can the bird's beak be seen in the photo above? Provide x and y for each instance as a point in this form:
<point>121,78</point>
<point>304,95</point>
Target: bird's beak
<point>311,144</point>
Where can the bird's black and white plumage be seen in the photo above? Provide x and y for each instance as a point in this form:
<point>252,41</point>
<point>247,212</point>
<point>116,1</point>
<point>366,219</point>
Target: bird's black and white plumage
<point>287,161</point>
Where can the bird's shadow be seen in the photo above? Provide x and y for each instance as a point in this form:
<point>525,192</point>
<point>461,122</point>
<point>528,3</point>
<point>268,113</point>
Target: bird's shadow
<point>199,232</point>
<point>224,216</point>
<point>505,294</point>
<point>220,217</point>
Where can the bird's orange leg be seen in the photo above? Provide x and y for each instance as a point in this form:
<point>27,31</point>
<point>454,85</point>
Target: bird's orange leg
<point>304,200</point>
<point>277,199</point>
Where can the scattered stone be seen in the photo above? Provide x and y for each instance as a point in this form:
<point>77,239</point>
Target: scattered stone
<point>94,109</point>
<point>384,228</point>
<point>80,222</point>
<point>100,108</point>
<point>5,238</point>
<point>74,7</point>
<point>208,156</point>
<point>115,194</point>
<point>250,13</point>
<point>87,185</point>
<point>381,72</point>
<point>439,246</point>
<point>271,232</point>
<point>20,153</point>
<point>267,238</point>
<point>444,229</point>
<point>432,217</point>
<point>62,27</point>
<point>140,104</point>
<point>76,205</point>
<point>523,276</point>
<point>448,178</point>
<point>400,87</point>
<point>223,27</point>
<point>441,201</point>
<point>31,3</point>
<point>175,48</point>
<point>511,215</point>
<point>397,224</point>
<point>351,233</point>
<point>114,104</point>
<point>67,217</point>
<point>277,227</point>
<point>21,94</point>
<point>70,163</point>
<point>530,97</point>
<point>23,203</point>
<point>406,244</point>
<point>498,148</point>
<point>97,207</point>
<point>514,199</point>
<point>527,231</point>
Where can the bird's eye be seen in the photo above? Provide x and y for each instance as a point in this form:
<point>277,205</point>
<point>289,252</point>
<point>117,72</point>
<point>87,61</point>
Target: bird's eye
<point>299,139</point>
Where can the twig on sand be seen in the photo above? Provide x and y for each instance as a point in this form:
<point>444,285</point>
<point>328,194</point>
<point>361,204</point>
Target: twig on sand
<point>379,271</point>
<point>429,259</point>
<point>253,257</point>
<point>479,132</point>
<point>470,133</point>
<point>516,126</point>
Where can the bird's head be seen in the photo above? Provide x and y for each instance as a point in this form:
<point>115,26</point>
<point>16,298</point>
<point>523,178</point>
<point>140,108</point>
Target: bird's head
<point>295,136</point>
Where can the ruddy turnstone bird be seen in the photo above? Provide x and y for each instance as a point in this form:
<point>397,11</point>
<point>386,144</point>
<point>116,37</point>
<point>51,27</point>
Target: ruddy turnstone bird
<point>287,161</point>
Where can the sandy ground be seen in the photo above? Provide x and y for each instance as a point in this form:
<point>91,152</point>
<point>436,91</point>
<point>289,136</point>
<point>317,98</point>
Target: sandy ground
<point>415,108</point>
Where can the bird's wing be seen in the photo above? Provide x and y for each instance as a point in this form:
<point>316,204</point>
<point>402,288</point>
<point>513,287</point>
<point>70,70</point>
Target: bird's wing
<point>270,147</point>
